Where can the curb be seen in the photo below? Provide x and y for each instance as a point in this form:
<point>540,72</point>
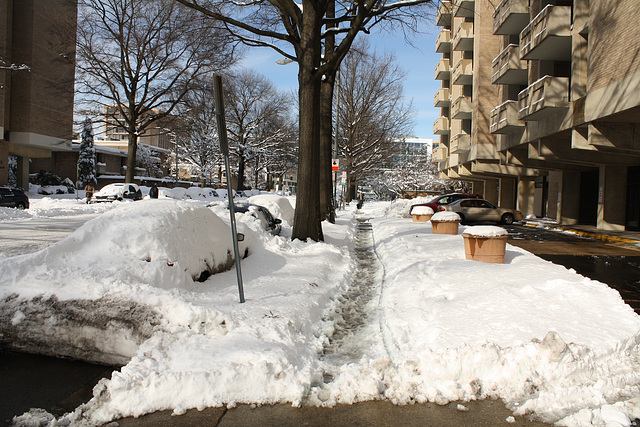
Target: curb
<point>587,234</point>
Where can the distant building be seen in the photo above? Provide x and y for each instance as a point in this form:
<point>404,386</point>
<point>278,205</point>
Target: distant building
<point>413,149</point>
<point>36,106</point>
<point>157,135</point>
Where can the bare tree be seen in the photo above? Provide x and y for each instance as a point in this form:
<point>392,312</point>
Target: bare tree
<point>256,119</point>
<point>142,57</point>
<point>195,131</point>
<point>297,31</point>
<point>372,112</point>
<point>417,173</point>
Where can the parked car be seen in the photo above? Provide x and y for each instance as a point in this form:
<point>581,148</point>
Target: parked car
<point>269,223</point>
<point>480,210</point>
<point>445,199</point>
<point>13,198</point>
<point>118,191</point>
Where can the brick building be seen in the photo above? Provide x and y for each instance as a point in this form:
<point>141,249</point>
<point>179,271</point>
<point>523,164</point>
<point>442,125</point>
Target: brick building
<point>36,105</point>
<point>540,107</point>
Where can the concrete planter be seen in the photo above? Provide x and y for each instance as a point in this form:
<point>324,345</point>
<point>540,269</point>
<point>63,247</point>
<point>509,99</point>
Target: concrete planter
<point>421,218</point>
<point>444,227</point>
<point>485,248</point>
<point>445,223</point>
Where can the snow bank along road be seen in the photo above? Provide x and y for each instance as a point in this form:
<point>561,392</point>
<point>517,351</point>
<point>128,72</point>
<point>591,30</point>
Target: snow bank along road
<point>438,328</point>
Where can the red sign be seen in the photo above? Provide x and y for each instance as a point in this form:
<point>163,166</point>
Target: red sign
<point>334,165</point>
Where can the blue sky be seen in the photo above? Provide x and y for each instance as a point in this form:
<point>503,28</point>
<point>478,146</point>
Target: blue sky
<point>419,62</point>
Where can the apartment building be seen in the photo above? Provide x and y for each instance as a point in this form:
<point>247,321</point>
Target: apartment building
<point>36,104</point>
<point>553,117</point>
<point>158,134</point>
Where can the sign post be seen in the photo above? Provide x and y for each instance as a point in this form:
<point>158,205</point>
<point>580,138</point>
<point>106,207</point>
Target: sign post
<point>224,147</point>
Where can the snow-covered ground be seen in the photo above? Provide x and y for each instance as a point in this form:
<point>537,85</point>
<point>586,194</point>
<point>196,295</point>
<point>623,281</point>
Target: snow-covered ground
<point>545,340</point>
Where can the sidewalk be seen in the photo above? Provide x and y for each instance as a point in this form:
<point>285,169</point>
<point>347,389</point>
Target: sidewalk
<point>483,413</point>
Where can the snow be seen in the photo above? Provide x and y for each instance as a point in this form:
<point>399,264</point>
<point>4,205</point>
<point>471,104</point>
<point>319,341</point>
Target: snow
<point>446,216</point>
<point>278,206</point>
<point>547,341</point>
<point>486,231</point>
<point>422,210</point>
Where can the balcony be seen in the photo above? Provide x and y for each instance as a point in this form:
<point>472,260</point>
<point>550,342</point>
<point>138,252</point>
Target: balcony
<point>508,68</point>
<point>548,36</point>
<point>510,17</point>
<point>440,154</point>
<point>504,118</point>
<point>461,108</point>
<point>543,98</point>
<point>463,72</point>
<point>463,38</point>
<point>460,143</point>
<point>443,42</point>
<point>463,8</point>
<point>441,126</point>
<point>442,98</point>
<point>442,70</point>
<point>443,17</point>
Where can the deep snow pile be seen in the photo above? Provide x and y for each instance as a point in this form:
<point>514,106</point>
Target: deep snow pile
<point>278,206</point>
<point>191,343</point>
<point>544,339</point>
<point>55,206</point>
<point>547,341</point>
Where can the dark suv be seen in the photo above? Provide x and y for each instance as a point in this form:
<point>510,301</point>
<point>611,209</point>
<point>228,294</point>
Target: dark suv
<point>445,199</point>
<point>13,198</point>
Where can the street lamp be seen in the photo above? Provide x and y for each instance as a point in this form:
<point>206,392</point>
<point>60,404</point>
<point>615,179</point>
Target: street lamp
<point>284,61</point>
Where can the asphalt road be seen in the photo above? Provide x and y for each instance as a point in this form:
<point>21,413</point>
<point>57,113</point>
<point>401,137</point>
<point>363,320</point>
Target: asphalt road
<point>29,235</point>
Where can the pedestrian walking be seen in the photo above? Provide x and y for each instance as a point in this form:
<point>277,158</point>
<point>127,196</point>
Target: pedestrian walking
<point>89,189</point>
<point>153,192</point>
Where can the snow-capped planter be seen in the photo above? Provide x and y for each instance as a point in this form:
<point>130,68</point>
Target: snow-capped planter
<point>485,243</point>
<point>421,213</point>
<point>445,223</point>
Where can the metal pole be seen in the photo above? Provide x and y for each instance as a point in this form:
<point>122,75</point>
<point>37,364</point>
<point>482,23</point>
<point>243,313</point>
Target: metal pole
<point>224,147</point>
<point>175,141</point>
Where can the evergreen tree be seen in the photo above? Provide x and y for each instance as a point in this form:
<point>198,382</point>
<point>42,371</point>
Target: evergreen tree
<point>87,156</point>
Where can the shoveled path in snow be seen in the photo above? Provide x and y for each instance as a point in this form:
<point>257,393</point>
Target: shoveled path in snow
<point>358,334</point>
<point>357,318</point>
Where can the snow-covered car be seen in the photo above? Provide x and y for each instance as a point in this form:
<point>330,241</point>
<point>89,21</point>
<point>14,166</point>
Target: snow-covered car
<point>268,221</point>
<point>49,190</point>
<point>249,193</point>
<point>222,192</point>
<point>178,193</point>
<point>480,210</point>
<point>210,193</point>
<point>118,191</point>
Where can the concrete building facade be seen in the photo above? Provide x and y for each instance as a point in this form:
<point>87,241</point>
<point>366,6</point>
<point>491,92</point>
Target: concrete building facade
<point>36,105</point>
<point>555,106</point>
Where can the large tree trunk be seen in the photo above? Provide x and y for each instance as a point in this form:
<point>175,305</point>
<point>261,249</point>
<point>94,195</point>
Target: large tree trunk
<point>241,167</point>
<point>326,129</point>
<point>326,142</point>
<point>307,220</point>
<point>131,158</point>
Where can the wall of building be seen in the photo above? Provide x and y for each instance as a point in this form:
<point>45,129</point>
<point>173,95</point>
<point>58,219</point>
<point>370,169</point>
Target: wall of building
<point>617,22</point>
<point>36,106</point>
